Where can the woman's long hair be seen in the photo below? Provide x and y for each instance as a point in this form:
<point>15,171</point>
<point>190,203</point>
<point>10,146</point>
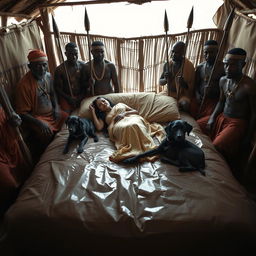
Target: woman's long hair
<point>100,114</point>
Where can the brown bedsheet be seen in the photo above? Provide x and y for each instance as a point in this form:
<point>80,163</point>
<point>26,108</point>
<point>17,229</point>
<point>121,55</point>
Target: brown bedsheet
<point>86,205</point>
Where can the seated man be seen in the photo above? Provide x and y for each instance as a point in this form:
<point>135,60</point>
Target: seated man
<point>232,122</point>
<point>179,86</point>
<point>36,102</point>
<point>12,173</point>
<point>61,84</point>
<point>206,96</point>
<point>99,74</point>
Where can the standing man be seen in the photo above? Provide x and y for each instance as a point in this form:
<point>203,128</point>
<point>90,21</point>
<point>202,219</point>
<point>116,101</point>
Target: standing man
<point>61,85</point>
<point>233,120</point>
<point>36,102</point>
<point>209,95</point>
<point>181,88</point>
<point>100,75</point>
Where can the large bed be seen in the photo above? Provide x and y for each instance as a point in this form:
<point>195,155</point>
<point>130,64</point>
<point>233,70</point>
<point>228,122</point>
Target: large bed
<point>86,205</point>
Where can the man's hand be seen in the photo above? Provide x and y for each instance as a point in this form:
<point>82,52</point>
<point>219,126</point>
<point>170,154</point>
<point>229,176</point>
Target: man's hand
<point>44,128</point>
<point>15,120</point>
<point>182,82</point>
<point>210,123</point>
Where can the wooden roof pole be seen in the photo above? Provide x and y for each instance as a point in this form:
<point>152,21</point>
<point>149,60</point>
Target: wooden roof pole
<point>93,2</point>
<point>48,39</point>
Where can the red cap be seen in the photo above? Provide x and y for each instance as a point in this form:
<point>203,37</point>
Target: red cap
<point>37,55</point>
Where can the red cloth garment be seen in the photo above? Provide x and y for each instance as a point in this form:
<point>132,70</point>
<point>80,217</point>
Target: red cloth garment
<point>227,134</point>
<point>206,110</point>
<point>37,55</point>
<point>10,160</point>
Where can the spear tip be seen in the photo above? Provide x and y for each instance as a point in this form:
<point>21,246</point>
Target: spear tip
<point>55,27</point>
<point>166,23</point>
<point>86,20</point>
<point>190,18</point>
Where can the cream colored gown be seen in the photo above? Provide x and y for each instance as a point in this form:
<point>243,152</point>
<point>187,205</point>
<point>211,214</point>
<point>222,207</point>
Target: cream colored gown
<point>132,134</point>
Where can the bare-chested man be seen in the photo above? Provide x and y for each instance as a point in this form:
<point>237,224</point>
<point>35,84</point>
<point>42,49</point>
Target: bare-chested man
<point>103,77</point>
<point>36,102</point>
<point>209,94</point>
<point>233,120</point>
<point>74,67</point>
<point>181,88</point>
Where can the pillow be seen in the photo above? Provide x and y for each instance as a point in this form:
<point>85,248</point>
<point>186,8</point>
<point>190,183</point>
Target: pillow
<point>153,107</point>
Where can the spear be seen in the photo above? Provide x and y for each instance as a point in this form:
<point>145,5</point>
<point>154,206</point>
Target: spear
<point>226,29</point>
<point>25,152</point>
<point>57,37</point>
<point>189,25</point>
<point>166,29</point>
<point>87,28</point>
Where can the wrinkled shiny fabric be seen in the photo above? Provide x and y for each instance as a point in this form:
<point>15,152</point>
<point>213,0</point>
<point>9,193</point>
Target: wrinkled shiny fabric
<point>74,204</point>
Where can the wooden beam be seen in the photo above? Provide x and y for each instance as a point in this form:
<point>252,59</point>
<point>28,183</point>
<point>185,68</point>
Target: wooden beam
<point>241,4</point>
<point>94,2</point>
<point>11,14</point>
<point>252,11</point>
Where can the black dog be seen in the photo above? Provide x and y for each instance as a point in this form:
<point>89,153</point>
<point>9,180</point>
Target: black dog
<point>176,150</point>
<point>79,128</point>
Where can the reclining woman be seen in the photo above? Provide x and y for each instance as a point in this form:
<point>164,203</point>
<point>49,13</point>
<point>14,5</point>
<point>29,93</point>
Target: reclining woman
<point>130,132</point>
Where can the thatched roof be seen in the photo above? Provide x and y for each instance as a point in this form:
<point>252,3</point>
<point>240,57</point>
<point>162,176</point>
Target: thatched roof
<point>29,8</point>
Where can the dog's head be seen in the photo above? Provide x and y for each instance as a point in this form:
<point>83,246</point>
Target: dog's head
<point>176,130</point>
<point>75,125</point>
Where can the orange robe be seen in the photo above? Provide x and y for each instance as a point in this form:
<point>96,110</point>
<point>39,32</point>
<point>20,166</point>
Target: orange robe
<point>26,102</point>
<point>189,77</point>
<point>10,159</point>
<point>226,135</point>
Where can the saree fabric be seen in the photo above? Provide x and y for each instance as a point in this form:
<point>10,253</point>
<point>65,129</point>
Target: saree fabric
<point>132,134</point>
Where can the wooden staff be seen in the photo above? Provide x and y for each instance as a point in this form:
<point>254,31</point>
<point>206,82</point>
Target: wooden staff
<point>57,37</point>
<point>87,28</point>
<point>166,29</point>
<point>25,152</point>
<point>189,25</point>
<point>226,29</point>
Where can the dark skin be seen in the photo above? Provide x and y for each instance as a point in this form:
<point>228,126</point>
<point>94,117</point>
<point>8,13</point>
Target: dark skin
<point>203,72</point>
<point>46,99</point>
<point>177,56</point>
<point>242,103</point>
<point>101,86</point>
<point>74,67</point>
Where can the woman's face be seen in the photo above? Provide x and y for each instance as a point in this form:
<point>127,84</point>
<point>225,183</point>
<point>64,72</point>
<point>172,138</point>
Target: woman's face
<point>103,104</point>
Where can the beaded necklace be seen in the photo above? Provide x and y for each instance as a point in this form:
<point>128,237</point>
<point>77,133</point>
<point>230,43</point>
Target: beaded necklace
<point>230,90</point>
<point>103,71</point>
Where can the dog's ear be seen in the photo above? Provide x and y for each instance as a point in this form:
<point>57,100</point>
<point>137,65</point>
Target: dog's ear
<point>168,128</point>
<point>188,127</point>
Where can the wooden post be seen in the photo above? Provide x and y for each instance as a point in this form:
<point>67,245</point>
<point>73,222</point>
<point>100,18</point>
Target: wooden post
<point>48,39</point>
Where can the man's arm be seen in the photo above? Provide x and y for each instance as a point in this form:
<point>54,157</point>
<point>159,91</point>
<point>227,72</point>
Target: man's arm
<point>164,75</point>
<point>197,82</point>
<point>220,105</point>
<point>114,78</point>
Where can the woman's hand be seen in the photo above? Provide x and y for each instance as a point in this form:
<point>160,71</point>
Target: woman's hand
<point>92,108</point>
<point>119,117</point>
